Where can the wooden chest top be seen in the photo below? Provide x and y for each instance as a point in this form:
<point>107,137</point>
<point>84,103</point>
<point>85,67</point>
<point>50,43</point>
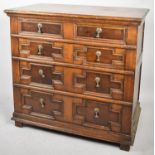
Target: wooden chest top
<point>97,12</point>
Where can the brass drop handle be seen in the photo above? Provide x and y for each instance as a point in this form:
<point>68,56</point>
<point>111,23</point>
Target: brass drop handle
<point>42,103</point>
<point>96,112</point>
<point>40,49</point>
<point>41,73</point>
<point>97,79</point>
<point>40,26</point>
<point>98,32</point>
<point>98,55</point>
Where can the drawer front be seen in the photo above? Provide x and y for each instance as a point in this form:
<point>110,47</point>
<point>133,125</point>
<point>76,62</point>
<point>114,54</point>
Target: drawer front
<point>40,27</point>
<point>107,57</point>
<point>101,56</point>
<point>41,104</point>
<point>105,85</point>
<point>41,74</point>
<point>113,34</point>
<point>36,74</point>
<point>71,109</point>
<point>36,49</point>
<point>98,115</point>
<point>104,57</point>
<point>74,80</point>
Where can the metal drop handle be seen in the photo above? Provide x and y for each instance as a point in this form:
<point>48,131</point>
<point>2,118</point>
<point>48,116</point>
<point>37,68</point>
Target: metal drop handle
<point>40,26</point>
<point>98,32</point>
<point>96,112</point>
<point>42,103</point>
<point>40,49</point>
<point>97,79</point>
<point>41,73</point>
<point>98,55</point>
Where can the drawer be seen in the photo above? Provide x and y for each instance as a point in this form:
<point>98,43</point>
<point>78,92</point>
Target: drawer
<point>37,49</point>
<point>91,114</point>
<point>74,80</point>
<point>40,27</point>
<point>46,105</point>
<point>98,115</point>
<point>105,85</point>
<point>101,33</point>
<point>106,57</point>
<point>36,74</point>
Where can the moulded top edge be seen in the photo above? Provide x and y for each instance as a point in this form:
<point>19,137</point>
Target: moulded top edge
<point>97,12</point>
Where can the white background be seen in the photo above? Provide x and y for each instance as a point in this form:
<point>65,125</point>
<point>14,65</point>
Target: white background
<point>30,141</point>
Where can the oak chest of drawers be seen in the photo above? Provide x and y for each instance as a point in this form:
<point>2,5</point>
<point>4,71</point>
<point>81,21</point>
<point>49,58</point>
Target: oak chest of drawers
<point>77,69</point>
